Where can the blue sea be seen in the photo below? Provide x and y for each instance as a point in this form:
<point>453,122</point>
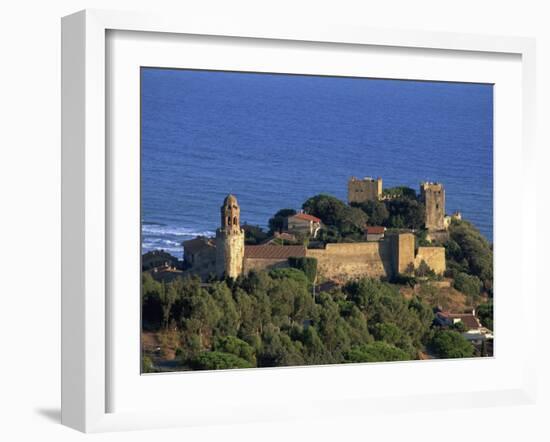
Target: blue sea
<point>274,140</point>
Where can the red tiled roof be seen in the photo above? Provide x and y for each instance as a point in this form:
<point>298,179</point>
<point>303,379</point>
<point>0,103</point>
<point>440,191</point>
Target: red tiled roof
<point>274,252</point>
<point>469,320</point>
<point>306,217</point>
<point>375,230</point>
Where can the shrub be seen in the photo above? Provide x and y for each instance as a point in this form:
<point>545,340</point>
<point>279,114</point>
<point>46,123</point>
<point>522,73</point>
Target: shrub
<point>254,234</point>
<point>289,273</point>
<point>235,346</point>
<point>306,265</point>
<point>335,213</point>
<point>147,365</point>
<point>376,352</point>
<point>470,285</point>
<point>403,279</point>
<point>485,314</point>
<point>424,270</point>
<point>451,344</point>
<point>217,360</point>
<point>470,252</point>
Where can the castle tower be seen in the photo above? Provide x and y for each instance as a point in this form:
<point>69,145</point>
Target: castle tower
<point>230,240</point>
<point>403,252</point>
<point>433,197</point>
<point>362,190</point>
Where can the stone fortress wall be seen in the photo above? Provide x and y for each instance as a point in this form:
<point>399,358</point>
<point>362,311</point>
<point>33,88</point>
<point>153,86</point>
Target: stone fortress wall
<point>344,261</point>
<point>433,256</point>
<point>386,258</point>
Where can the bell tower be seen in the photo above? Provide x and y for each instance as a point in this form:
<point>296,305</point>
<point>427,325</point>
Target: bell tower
<point>230,240</point>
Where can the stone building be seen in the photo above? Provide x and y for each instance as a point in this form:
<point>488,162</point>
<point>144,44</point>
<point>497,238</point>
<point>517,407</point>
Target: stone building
<point>362,190</point>
<point>433,197</point>
<point>200,254</point>
<point>230,240</point>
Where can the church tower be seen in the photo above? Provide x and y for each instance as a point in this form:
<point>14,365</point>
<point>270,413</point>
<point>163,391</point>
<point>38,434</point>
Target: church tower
<point>230,240</point>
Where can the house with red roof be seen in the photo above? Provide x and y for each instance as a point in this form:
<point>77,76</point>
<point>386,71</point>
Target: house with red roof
<point>303,224</point>
<point>375,233</point>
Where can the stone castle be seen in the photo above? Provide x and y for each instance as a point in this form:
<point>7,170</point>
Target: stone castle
<point>432,195</point>
<point>362,190</point>
<point>228,255</point>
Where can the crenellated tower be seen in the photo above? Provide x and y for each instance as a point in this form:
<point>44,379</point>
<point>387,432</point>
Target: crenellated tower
<point>362,190</point>
<point>230,240</point>
<point>433,197</point>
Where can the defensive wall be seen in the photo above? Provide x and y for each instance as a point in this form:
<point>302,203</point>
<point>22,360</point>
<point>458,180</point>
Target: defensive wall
<point>343,261</point>
<point>386,258</point>
<point>433,256</point>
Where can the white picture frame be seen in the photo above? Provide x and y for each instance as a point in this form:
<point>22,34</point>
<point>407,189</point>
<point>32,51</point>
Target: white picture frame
<point>86,209</point>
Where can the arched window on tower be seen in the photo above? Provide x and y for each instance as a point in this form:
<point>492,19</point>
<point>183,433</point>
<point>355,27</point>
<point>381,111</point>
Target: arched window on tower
<point>235,220</point>
<point>228,220</point>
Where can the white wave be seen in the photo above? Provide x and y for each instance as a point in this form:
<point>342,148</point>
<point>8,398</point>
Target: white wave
<point>161,242</point>
<point>159,230</point>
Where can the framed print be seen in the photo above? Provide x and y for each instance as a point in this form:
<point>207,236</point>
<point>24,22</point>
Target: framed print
<point>291,222</point>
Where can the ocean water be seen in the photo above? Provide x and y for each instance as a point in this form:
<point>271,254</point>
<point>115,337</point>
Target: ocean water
<point>274,140</point>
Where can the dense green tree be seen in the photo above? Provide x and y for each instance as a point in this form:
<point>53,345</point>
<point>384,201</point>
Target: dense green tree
<point>150,302</point>
<point>358,327</point>
<point>376,352</point>
<point>147,365</point>
<point>203,316</point>
<point>335,213</point>
<point>405,213</point>
<point>191,342</point>
<point>396,336</point>
<point>334,330</point>
<point>278,349</point>
<point>289,273</point>
<point>451,344</point>
<point>315,351</point>
<point>254,234</point>
<point>235,346</point>
<point>400,192</point>
<point>329,234</point>
<point>469,252</point>
<point>376,211</point>
<point>216,360</point>
<point>307,265</point>
<point>229,320</point>
<point>485,314</point>
<point>470,285</point>
<point>272,319</point>
<point>246,309</point>
<point>168,296</point>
